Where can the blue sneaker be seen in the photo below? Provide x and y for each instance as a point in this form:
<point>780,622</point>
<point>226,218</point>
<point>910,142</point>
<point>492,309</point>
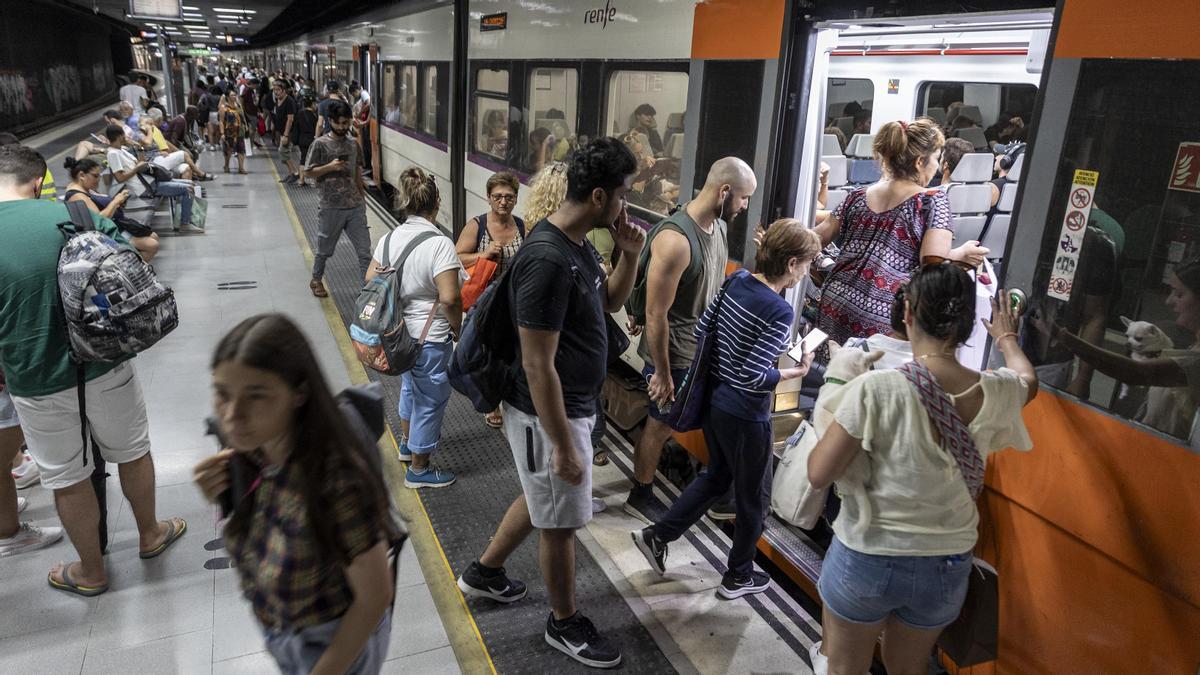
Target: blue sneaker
<point>429,478</point>
<point>404,454</point>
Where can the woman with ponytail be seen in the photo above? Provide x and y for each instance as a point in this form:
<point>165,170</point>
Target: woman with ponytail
<point>901,567</point>
<point>431,287</point>
<point>885,230</point>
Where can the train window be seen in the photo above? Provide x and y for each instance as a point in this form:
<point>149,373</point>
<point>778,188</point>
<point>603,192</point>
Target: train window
<point>848,104</point>
<point>646,110</point>
<point>407,96</point>
<point>430,113</point>
<point>1123,276</point>
<point>491,113</point>
<point>553,100</point>
<point>492,80</point>
<point>985,114</point>
<point>391,94</point>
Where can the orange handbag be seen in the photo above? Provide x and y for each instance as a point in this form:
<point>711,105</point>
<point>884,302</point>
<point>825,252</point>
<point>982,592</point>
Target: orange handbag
<point>481,273</point>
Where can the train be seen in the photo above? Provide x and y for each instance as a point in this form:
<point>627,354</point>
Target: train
<point>1093,534</point>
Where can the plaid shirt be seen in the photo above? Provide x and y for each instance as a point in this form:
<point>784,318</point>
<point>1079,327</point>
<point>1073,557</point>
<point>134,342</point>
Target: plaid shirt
<point>277,558</point>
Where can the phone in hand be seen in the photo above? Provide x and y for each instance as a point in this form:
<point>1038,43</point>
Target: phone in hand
<point>239,472</point>
<point>809,343</point>
<point>343,158</point>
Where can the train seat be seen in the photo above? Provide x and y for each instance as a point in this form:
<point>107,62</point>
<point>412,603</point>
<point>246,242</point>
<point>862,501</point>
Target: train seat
<point>974,167</point>
<point>1014,173</point>
<point>846,124</point>
<point>967,228</point>
<point>830,145</point>
<point>834,110</point>
<point>839,169</point>
<point>1008,198</point>
<point>937,114</point>
<point>997,235</point>
<point>974,136</point>
<point>675,146</point>
<point>861,146</point>
<point>834,197</point>
<point>969,198</point>
<point>674,127</point>
<point>862,169</point>
<point>971,112</point>
<point>866,104</point>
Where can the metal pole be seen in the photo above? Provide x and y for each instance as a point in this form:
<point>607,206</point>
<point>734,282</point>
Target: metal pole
<point>168,77</point>
<point>458,114</point>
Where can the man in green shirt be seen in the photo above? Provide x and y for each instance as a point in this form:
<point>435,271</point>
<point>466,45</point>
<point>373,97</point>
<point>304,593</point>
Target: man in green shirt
<point>42,380</point>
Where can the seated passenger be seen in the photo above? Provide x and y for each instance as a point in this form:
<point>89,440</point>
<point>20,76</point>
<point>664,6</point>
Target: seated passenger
<point>125,167</point>
<point>755,330</point>
<point>644,124</point>
<point>132,120</point>
<point>85,187</point>
<point>952,154</point>
<point>169,157</point>
<point>927,541</point>
<point>311,555</point>
<point>862,122</point>
<point>541,149</point>
<point>1004,162</point>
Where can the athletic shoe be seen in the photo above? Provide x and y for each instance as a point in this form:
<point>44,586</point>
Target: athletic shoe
<point>429,478</point>
<point>578,638</point>
<point>820,662</point>
<point>475,584</point>
<point>403,453</point>
<point>26,474</point>
<point>722,510</point>
<point>652,547</point>
<point>733,587</point>
<point>598,505</point>
<point>192,229</point>
<point>29,538</point>
<point>22,504</point>
<point>643,505</point>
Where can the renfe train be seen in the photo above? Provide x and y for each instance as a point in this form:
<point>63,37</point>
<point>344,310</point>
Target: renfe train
<point>1094,533</point>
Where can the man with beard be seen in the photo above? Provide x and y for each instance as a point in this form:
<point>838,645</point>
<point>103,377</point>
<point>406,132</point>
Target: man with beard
<point>335,162</point>
<point>683,271</point>
<point>558,295</point>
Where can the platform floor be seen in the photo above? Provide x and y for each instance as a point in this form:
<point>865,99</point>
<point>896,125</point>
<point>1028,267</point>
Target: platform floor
<point>182,613</point>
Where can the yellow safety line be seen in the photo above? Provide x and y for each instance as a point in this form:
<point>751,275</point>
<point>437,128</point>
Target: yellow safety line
<point>472,655</point>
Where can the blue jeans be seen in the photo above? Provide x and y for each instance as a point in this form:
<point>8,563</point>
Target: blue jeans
<point>423,395</point>
<point>739,454</point>
<point>181,189</point>
<point>925,592</point>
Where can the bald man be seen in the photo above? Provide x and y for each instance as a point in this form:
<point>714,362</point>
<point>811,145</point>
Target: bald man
<point>678,288</point>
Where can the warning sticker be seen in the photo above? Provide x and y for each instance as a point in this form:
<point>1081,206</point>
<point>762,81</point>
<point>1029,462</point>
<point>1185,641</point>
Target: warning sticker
<point>1185,173</point>
<point>1070,240</point>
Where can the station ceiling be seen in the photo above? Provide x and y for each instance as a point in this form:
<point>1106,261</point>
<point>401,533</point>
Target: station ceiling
<point>204,21</point>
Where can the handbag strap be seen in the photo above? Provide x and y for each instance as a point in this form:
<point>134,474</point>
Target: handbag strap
<point>949,423</point>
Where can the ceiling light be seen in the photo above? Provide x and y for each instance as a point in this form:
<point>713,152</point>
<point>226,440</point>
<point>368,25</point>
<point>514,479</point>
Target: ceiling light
<point>235,11</point>
<point>232,23</point>
<point>194,9</point>
<point>193,15</point>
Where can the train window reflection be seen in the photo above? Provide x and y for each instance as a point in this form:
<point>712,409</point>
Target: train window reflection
<point>553,102</point>
<point>646,110</point>
<point>1116,300</point>
<point>391,94</point>
<point>491,126</point>
<point>493,80</point>
<point>848,104</point>
<point>431,108</point>
<point>987,115</point>
<point>407,96</point>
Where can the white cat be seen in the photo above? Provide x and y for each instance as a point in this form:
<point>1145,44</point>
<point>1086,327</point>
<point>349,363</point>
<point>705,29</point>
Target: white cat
<point>845,364</point>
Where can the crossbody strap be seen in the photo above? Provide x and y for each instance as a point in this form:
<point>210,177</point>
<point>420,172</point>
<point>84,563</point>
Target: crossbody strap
<point>956,436</point>
<point>399,281</point>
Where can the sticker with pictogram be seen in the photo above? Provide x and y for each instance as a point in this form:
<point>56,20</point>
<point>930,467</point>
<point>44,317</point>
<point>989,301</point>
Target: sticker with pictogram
<point>1185,173</point>
<point>1080,200</point>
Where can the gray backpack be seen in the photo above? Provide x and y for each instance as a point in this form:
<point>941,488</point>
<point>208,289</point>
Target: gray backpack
<point>113,304</point>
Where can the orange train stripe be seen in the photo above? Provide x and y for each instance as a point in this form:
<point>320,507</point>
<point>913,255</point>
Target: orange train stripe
<point>738,29</point>
<point>1150,29</point>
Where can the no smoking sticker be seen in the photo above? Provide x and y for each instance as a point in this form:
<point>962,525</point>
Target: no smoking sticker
<point>1076,221</point>
<point>1080,199</point>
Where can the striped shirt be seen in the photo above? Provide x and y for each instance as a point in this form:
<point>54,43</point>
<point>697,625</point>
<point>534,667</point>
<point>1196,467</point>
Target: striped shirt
<point>753,329</point>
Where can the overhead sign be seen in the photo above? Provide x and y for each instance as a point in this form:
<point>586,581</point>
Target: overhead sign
<point>162,10</point>
<point>1080,199</point>
<point>1185,173</point>
<point>489,22</point>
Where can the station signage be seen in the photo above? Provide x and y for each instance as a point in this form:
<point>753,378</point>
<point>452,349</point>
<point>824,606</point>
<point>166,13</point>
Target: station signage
<point>162,10</point>
<point>1080,198</point>
<point>1185,172</point>
<point>490,22</point>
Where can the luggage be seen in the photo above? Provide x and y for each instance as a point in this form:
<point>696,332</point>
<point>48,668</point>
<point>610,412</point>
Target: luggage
<point>381,340</point>
<point>793,497</point>
<point>625,399</point>
<point>486,351</point>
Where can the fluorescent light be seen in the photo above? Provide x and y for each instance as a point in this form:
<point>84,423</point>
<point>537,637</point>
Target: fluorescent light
<point>193,15</point>
<point>232,23</point>
<point>194,9</point>
<point>235,11</point>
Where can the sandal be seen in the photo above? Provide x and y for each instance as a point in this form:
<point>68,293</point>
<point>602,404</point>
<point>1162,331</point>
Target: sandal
<point>242,171</point>
<point>600,458</point>
<point>494,420</point>
<point>71,586</point>
<point>318,288</point>
<point>173,534</point>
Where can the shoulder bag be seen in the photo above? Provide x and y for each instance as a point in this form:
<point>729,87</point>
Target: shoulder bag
<point>691,400</point>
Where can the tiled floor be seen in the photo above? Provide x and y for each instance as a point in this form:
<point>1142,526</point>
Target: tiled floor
<point>172,614</point>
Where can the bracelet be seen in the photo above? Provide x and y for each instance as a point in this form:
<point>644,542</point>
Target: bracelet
<point>1004,335</point>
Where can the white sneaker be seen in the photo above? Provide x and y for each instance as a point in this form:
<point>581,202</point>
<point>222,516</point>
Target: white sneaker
<point>820,662</point>
<point>29,538</point>
<point>22,503</point>
<point>26,474</point>
<point>190,228</point>
<point>598,505</point>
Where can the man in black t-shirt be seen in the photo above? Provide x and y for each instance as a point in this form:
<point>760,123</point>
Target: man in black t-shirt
<point>559,295</point>
<point>335,94</point>
<point>284,112</point>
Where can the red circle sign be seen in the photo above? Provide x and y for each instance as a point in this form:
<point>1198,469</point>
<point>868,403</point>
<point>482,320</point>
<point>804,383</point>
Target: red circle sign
<point>1080,198</point>
<point>1075,221</point>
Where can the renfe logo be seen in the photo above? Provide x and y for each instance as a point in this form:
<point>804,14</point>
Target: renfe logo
<point>601,16</point>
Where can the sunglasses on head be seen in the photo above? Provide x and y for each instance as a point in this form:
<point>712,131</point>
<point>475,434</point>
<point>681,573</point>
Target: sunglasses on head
<point>939,260</point>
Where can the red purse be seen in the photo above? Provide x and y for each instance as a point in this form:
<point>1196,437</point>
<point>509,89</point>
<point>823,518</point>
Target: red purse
<point>481,273</point>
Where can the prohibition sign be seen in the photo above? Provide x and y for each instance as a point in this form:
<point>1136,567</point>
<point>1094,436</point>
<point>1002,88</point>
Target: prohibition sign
<point>1075,221</point>
<point>1080,198</point>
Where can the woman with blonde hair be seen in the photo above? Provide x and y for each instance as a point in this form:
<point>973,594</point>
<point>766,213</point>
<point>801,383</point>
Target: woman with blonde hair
<point>547,191</point>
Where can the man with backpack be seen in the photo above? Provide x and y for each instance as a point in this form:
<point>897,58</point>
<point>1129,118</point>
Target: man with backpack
<point>559,295</point>
<point>680,272</point>
<point>45,383</point>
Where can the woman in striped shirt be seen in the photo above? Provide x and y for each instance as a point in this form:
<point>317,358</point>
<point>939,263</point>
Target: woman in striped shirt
<point>753,326</point>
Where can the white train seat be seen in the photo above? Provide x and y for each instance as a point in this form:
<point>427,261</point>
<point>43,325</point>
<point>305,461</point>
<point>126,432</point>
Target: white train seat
<point>838,169</point>
<point>937,114</point>
<point>1014,173</point>
<point>1008,198</point>
<point>834,197</point>
<point>974,136</point>
<point>830,145</point>
<point>971,112</point>
<point>974,167</point>
<point>997,235</point>
<point>862,168</point>
<point>967,228</point>
<point>969,198</point>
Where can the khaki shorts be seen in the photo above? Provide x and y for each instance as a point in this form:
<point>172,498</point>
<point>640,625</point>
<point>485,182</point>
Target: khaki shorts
<point>553,502</point>
<point>116,415</point>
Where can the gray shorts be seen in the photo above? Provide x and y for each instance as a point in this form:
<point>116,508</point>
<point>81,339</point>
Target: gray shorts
<point>297,653</point>
<point>8,412</point>
<point>290,152</point>
<point>553,503</point>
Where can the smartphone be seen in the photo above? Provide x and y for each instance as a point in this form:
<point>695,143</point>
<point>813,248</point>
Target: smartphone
<point>815,338</point>
<point>344,158</point>
<point>239,473</point>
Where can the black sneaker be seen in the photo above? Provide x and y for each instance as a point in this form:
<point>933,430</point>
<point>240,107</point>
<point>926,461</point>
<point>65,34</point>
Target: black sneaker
<point>643,505</point>
<point>735,587</point>
<point>474,584</point>
<point>577,638</point>
<point>723,509</point>
<point>652,547</point>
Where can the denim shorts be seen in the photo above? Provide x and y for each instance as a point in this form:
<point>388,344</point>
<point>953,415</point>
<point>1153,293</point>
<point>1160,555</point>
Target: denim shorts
<point>925,592</point>
<point>8,412</point>
<point>677,376</point>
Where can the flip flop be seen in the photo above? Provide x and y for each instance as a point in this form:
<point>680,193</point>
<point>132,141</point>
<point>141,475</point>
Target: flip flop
<point>71,587</point>
<point>600,458</point>
<point>172,535</point>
